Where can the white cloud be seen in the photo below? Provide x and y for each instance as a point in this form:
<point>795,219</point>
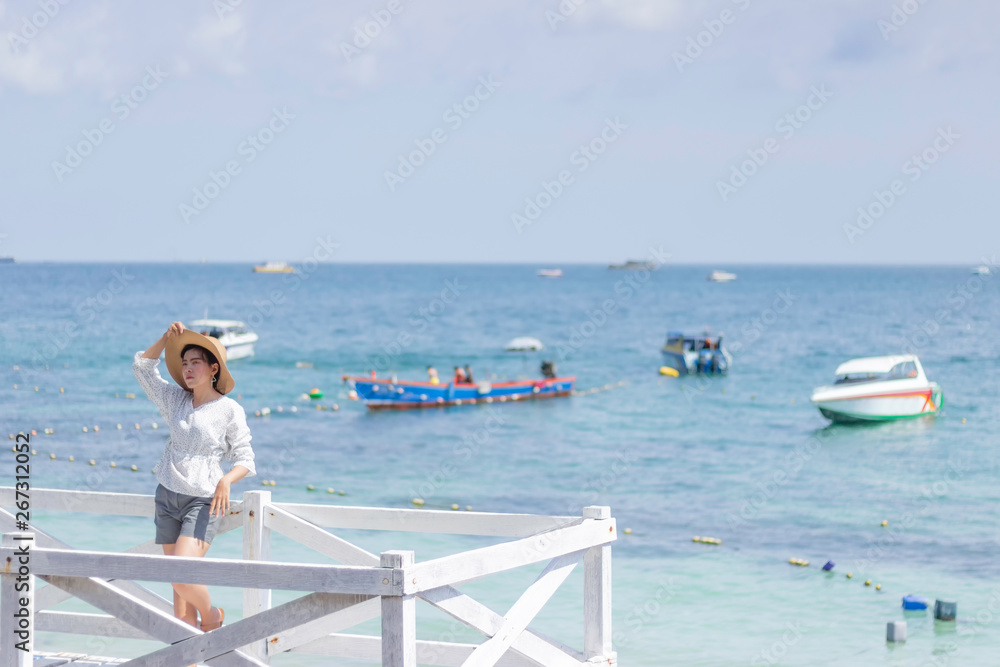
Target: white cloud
<point>221,42</point>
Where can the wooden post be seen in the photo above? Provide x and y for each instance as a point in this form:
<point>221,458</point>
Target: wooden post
<point>12,602</point>
<point>399,618</point>
<point>256,546</point>
<point>597,595</point>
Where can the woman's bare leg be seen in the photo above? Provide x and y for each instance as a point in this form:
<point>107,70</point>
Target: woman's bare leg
<point>195,595</point>
<point>182,609</point>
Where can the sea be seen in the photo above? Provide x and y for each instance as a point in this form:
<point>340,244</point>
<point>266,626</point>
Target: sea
<point>909,507</point>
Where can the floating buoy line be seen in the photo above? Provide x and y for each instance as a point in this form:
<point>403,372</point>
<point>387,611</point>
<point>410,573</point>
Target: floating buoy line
<point>597,390</point>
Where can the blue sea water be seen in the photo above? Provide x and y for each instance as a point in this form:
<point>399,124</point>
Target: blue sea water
<point>745,458</point>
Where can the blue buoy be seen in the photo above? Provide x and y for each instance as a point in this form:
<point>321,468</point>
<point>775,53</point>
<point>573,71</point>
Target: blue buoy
<point>829,566</point>
<point>914,603</point>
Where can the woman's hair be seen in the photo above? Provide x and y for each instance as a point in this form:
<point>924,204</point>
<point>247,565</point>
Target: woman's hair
<point>207,355</point>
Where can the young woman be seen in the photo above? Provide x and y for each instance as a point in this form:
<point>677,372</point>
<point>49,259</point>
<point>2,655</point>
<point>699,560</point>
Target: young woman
<point>206,427</point>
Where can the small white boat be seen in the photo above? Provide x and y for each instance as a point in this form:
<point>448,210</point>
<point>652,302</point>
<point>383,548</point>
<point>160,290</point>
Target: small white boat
<point>981,270</point>
<point>721,277</point>
<point>879,389</point>
<point>550,273</point>
<point>524,344</point>
<point>233,334</point>
<point>273,267</point>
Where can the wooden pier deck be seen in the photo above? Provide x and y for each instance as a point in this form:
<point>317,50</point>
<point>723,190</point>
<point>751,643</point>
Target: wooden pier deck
<point>355,587</point>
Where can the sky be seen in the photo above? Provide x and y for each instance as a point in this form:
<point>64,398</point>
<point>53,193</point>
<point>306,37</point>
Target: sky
<point>719,132</point>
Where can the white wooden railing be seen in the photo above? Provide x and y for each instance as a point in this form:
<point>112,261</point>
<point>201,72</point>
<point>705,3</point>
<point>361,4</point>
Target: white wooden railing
<point>362,587</point>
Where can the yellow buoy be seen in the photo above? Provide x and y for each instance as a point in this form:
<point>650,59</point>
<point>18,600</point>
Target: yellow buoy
<point>868,582</point>
<point>52,456</point>
<point>468,508</point>
<point>341,493</point>
<point>135,468</point>
<point>878,587</point>
<point>113,465</point>
<point>627,531</point>
<point>330,490</point>
<point>454,506</point>
<point>667,370</point>
<point>92,462</point>
<point>96,429</point>
<point>885,523</point>
<point>310,487</point>
<point>84,429</point>
<point>71,459</point>
<point>418,502</point>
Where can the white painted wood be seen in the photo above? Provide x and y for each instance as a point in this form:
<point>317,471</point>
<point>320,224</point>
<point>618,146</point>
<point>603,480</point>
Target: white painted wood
<point>256,547</point>
<point>523,611</point>
<point>321,627</point>
<point>469,565</point>
<point>317,539</point>
<point>427,521</point>
<point>141,616</point>
<point>366,647</point>
<point>215,571</point>
<point>597,602</point>
<point>98,625</point>
<point>399,618</point>
<point>91,502</point>
<point>12,601</point>
<point>597,593</point>
<point>204,647</point>
<point>541,651</point>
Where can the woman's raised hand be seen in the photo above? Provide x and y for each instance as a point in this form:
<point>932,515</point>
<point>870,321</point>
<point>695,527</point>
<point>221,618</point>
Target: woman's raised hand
<point>176,329</point>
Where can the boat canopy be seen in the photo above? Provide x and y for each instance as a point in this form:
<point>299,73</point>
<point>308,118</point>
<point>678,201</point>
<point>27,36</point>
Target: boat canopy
<point>873,365</point>
<point>219,324</point>
<point>524,344</point>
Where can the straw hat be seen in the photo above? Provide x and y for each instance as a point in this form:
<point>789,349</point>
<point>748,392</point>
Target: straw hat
<point>224,384</point>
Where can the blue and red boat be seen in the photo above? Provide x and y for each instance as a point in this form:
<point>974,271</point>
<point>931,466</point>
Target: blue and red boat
<point>388,393</point>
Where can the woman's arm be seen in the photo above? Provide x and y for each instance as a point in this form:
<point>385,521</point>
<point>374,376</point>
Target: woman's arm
<point>156,349</point>
<point>220,501</point>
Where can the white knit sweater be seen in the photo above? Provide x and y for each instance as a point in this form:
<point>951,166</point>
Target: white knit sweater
<point>200,438</point>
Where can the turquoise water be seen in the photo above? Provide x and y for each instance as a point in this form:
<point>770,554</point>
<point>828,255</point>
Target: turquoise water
<point>745,458</point>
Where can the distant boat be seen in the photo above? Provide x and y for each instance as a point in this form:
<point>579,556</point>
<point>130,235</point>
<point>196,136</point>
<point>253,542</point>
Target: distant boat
<point>524,344</point>
<point>233,335</point>
<point>721,277</point>
<point>6,260</point>
<point>550,273</point>
<point>879,389</point>
<point>392,394</point>
<point>274,267</point>
<point>696,355</point>
<point>981,270</point>
<point>634,265</point>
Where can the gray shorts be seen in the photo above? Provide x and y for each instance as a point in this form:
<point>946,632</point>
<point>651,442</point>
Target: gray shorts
<point>178,515</point>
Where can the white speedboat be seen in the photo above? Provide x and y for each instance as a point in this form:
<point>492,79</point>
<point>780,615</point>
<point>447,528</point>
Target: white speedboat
<point>879,389</point>
<point>233,334</point>
<point>550,273</point>
<point>721,277</point>
<point>981,270</point>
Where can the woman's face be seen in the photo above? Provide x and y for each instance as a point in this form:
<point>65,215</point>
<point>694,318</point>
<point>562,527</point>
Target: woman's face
<point>196,369</point>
